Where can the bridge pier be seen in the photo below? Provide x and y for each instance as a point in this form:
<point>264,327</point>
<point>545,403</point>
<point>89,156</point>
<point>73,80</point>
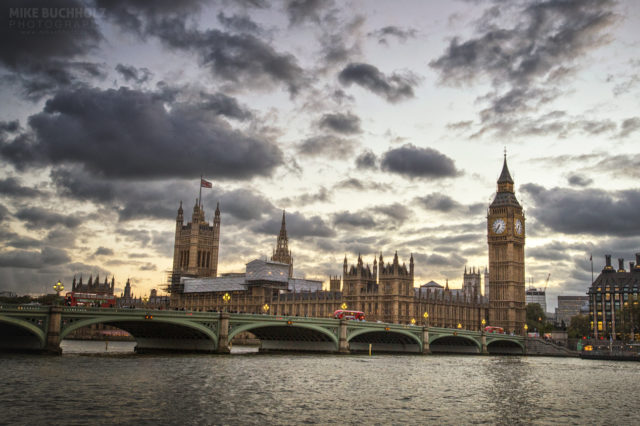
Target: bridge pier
<point>52,345</point>
<point>223,334</point>
<point>425,341</point>
<point>343,344</point>
<point>484,344</point>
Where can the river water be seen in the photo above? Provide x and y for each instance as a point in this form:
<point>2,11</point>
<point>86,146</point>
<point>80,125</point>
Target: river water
<point>88,385</point>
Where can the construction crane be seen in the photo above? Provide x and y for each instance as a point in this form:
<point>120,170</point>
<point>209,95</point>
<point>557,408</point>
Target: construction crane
<point>547,283</point>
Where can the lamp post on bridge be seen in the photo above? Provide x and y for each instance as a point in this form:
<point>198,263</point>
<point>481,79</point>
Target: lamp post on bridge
<point>58,287</point>
<point>426,318</point>
<point>526,337</point>
<point>265,308</point>
<point>226,298</point>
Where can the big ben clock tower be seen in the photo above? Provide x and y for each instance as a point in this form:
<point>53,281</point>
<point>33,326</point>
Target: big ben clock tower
<point>505,235</point>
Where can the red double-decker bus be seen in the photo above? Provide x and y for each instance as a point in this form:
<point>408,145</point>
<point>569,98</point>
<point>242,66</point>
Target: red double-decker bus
<point>349,315</point>
<point>492,329</point>
<point>90,300</point>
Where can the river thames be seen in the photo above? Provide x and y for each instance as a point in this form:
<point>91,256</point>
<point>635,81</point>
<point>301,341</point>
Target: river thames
<point>88,385</point>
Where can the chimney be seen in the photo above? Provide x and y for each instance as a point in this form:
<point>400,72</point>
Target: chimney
<point>621,265</point>
<point>607,258</point>
<point>637,260</point>
<point>631,265</point>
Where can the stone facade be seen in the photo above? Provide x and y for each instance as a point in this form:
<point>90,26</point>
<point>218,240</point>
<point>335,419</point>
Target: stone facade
<point>384,291</point>
<point>93,285</point>
<point>506,237</point>
<point>195,252</point>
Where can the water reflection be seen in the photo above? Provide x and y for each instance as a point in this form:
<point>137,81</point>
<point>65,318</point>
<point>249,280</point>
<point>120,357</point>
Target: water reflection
<point>117,386</point>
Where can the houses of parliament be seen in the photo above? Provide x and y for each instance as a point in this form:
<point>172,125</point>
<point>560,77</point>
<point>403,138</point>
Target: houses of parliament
<point>384,290</point>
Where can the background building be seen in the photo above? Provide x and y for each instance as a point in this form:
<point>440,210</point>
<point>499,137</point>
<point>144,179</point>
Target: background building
<point>570,306</point>
<point>536,295</point>
<point>612,290</point>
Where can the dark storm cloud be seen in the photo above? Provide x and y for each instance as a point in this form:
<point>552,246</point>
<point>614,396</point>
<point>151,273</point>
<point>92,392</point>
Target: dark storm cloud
<point>619,165</point>
<point>297,226</point>
<point>346,219</point>
<point>402,34</point>
<point>588,211</point>
<point>243,58</point>
<point>48,256</point>
<point>239,23</point>
<point>394,88</point>
<point>36,217</point>
<point>9,126</point>
<point>93,128</point>
<point>557,250</point>
<point>358,185</point>
<point>579,180</point>
<point>629,126</point>
<point>445,204</point>
<point>221,104</point>
<point>131,73</point>
<point>300,11</point>
<point>367,160</point>
<point>103,251</point>
<point>527,60</point>
<point>346,123</point>
<point>11,239</point>
<point>132,200</point>
<point>397,212</point>
<point>322,195</point>
<point>11,186</point>
<point>246,205</point>
<point>326,146</point>
<point>4,213</point>
<point>416,162</point>
<point>548,35</point>
<point>43,60</point>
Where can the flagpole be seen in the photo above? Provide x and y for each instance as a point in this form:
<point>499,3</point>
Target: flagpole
<point>591,259</point>
<point>200,195</point>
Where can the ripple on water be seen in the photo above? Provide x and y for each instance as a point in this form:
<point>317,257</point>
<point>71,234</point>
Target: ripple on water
<point>316,389</point>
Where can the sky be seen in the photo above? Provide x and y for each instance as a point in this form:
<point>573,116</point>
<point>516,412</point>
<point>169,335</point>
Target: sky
<point>378,126</point>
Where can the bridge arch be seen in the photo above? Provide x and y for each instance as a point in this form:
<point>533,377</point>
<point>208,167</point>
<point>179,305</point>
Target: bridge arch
<point>505,347</point>
<point>393,340</point>
<point>454,344</point>
<point>277,336</point>
<point>158,333</point>
<point>24,335</point>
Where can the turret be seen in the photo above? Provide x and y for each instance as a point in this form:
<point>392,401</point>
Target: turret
<point>344,265</point>
<point>411,264</point>
<point>180,216</point>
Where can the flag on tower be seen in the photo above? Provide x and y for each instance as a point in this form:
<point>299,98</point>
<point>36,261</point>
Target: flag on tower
<point>205,184</point>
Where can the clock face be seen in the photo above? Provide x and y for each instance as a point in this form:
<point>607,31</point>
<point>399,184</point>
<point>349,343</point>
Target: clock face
<point>518,227</point>
<point>498,226</point>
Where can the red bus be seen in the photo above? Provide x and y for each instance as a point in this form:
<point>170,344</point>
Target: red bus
<point>349,315</point>
<point>90,300</point>
<point>491,329</point>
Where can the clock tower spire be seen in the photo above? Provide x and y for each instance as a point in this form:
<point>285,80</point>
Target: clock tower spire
<point>506,236</point>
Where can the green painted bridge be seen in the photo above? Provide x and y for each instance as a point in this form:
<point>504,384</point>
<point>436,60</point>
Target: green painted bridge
<point>42,328</point>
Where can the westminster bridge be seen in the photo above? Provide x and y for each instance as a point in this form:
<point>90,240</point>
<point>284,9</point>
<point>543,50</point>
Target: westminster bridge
<point>42,328</point>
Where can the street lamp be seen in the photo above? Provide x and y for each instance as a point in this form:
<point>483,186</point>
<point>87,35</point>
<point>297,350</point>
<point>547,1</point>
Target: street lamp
<point>459,325</point>
<point>265,308</point>
<point>483,322</point>
<point>426,318</point>
<point>58,287</point>
<point>226,298</point>
<point>413,321</point>
<point>344,305</point>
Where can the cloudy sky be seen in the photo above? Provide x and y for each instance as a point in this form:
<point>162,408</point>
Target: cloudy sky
<point>379,126</point>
